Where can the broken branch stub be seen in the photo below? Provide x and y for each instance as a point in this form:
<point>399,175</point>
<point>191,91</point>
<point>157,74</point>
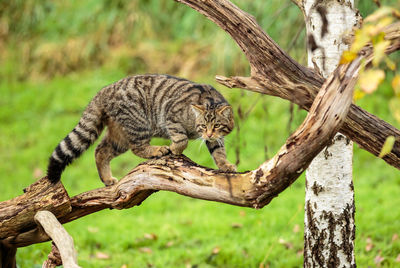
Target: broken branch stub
<point>17,214</point>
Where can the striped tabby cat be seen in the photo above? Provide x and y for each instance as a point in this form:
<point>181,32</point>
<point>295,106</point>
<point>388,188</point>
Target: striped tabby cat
<point>137,108</point>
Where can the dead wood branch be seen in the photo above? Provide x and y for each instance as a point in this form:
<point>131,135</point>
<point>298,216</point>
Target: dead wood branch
<point>54,258</point>
<point>275,73</point>
<point>16,214</point>
<point>64,242</point>
<point>7,256</point>
<point>179,174</point>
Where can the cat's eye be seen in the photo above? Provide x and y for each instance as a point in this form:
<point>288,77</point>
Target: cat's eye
<point>217,125</point>
<point>202,126</point>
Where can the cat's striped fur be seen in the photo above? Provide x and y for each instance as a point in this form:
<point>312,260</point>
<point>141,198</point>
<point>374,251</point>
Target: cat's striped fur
<point>137,108</point>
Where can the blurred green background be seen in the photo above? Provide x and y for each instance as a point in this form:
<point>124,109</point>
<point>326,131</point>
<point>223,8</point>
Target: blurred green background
<point>55,56</point>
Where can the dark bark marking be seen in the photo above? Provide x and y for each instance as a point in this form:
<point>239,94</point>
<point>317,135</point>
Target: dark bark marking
<point>317,188</point>
<point>315,243</point>
<point>259,174</point>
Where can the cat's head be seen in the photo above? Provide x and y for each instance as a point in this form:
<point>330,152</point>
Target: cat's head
<point>215,122</point>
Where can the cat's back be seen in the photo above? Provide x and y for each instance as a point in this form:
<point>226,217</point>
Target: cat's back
<point>154,95</point>
<point>155,88</point>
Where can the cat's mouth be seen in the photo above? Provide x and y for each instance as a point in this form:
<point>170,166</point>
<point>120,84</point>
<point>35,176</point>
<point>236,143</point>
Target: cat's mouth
<point>212,138</point>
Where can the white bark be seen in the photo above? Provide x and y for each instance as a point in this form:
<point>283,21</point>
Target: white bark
<point>329,230</point>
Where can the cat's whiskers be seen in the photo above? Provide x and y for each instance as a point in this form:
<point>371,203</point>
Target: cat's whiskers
<point>228,140</point>
<point>201,143</point>
<point>220,142</point>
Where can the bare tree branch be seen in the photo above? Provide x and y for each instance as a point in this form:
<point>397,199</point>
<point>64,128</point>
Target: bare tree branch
<point>179,174</point>
<point>275,73</point>
<point>54,258</point>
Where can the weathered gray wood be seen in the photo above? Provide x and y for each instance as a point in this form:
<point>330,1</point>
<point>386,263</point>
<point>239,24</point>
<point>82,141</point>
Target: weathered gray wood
<point>64,242</point>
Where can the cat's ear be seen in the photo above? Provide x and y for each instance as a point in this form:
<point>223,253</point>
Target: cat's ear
<point>225,111</point>
<point>197,109</point>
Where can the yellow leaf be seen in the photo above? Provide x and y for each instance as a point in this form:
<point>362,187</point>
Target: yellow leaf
<point>387,146</point>
<point>394,105</point>
<point>379,52</point>
<point>385,21</point>
<point>347,57</point>
<point>378,38</point>
<point>376,29</point>
<point>369,80</point>
<point>358,94</point>
<point>390,64</point>
<point>396,85</point>
<point>379,13</point>
<point>361,38</point>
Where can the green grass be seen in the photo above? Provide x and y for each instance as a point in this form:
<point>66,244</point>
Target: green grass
<point>43,95</point>
<point>35,117</point>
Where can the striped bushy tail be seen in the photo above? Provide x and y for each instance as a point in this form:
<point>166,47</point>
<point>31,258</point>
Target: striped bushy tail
<point>75,143</point>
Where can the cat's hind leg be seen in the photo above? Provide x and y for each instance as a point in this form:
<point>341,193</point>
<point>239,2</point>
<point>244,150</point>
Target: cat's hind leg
<point>143,149</point>
<point>105,152</point>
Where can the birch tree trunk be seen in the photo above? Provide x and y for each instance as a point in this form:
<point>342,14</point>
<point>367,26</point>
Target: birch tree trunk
<point>329,229</point>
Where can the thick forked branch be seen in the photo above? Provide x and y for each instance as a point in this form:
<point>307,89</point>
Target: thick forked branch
<point>275,73</point>
<point>251,189</point>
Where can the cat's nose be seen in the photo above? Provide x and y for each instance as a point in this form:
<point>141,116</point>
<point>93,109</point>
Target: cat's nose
<point>209,134</point>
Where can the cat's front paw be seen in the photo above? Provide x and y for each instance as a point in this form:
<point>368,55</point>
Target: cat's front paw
<point>177,149</point>
<point>228,167</point>
<point>162,150</point>
<point>110,181</point>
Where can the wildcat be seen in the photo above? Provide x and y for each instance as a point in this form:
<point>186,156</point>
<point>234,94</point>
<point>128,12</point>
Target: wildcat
<point>140,107</point>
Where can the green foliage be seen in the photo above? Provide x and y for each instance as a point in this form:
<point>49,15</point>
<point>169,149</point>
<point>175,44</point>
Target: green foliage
<point>56,38</point>
<point>56,55</point>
